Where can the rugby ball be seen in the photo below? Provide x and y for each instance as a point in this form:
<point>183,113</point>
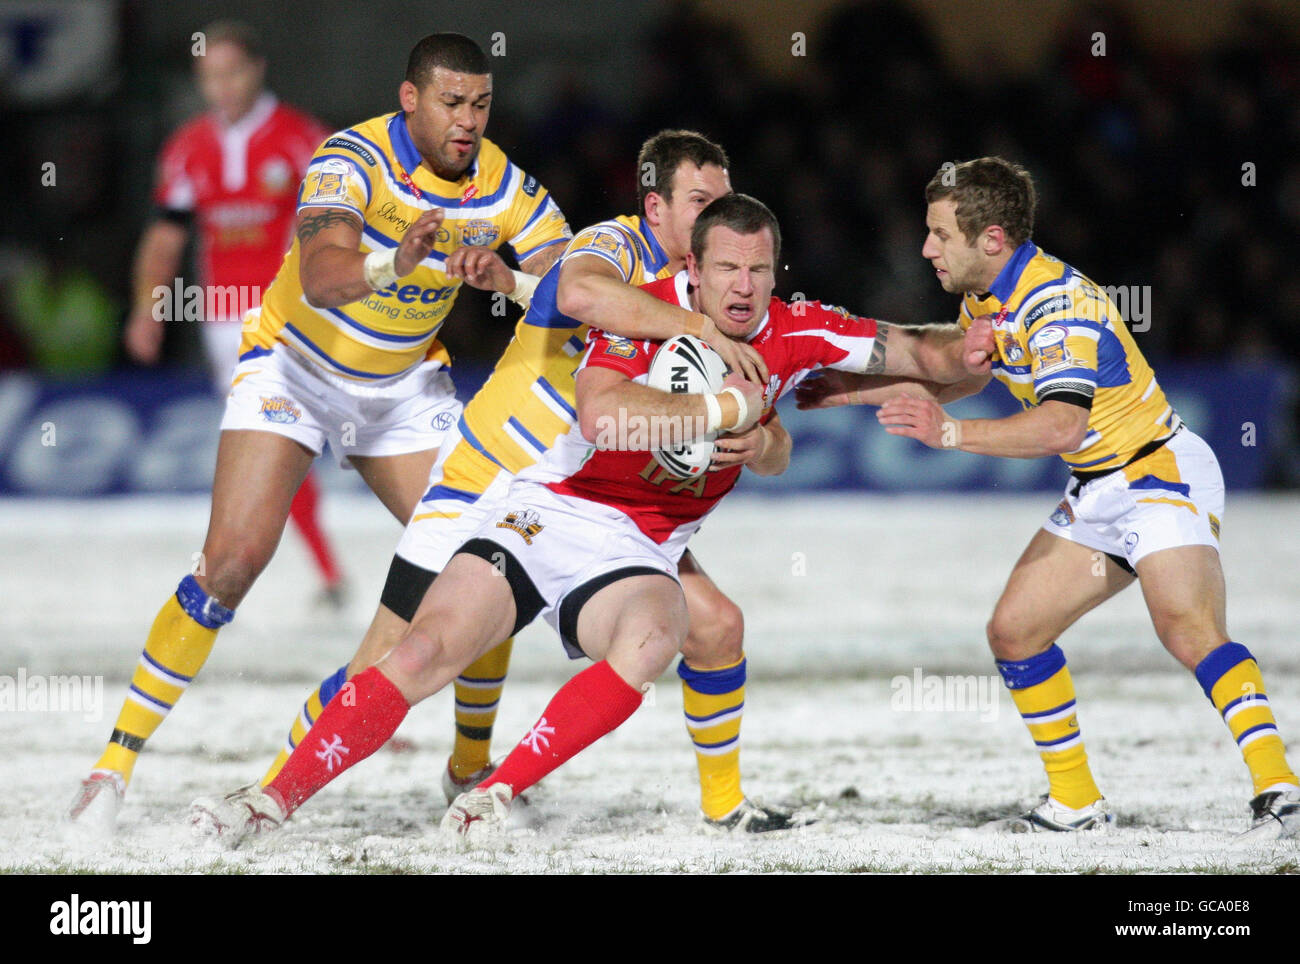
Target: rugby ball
<point>686,365</point>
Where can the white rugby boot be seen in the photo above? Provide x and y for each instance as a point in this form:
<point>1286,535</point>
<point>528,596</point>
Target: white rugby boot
<point>1274,815</point>
<point>93,812</point>
<point>1053,816</point>
<point>453,786</point>
<point>246,812</point>
<point>483,810</point>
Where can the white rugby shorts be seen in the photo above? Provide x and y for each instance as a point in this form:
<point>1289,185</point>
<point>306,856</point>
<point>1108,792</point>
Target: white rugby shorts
<point>557,551</point>
<point>1170,498</point>
<point>281,392</point>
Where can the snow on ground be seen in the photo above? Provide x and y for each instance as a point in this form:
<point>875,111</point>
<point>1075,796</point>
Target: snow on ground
<point>842,595</point>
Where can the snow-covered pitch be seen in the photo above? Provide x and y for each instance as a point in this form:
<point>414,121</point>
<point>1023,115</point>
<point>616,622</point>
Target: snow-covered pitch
<point>872,703</point>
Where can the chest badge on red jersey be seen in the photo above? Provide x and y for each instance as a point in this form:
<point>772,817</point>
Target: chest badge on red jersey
<point>275,177</point>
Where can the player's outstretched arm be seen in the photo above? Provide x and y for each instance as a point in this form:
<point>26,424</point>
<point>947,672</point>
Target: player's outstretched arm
<point>157,261</point>
<point>613,409</point>
<point>332,268</point>
<point>934,353</point>
<point>764,448</point>
<point>833,388</point>
<point>592,291</point>
<point>1053,428</point>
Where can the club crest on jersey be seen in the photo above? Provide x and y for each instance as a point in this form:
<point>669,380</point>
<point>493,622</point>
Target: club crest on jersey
<point>279,409</point>
<point>523,522</point>
<point>604,240</point>
<point>620,347</point>
<point>330,180</point>
<point>479,232</point>
<point>275,176</point>
<point>1063,515</point>
<point>1009,347</point>
<point>1050,351</point>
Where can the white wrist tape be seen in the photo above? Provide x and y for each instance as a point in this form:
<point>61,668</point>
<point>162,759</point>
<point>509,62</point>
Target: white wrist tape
<point>714,410</point>
<point>742,411</point>
<point>525,285</point>
<point>380,269</point>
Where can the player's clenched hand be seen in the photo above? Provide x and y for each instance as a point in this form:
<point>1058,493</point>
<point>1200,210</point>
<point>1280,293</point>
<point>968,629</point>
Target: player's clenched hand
<point>753,401</point>
<point>480,267</point>
<point>739,356</point>
<point>144,336</point>
<point>827,390</point>
<point>977,346</point>
<point>418,241</point>
<point>921,419</point>
<point>739,448</point>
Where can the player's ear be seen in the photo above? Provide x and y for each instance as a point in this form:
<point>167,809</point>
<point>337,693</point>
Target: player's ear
<point>995,240</point>
<point>408,96</point>
<point>692,269</point>
<point>654,205</point>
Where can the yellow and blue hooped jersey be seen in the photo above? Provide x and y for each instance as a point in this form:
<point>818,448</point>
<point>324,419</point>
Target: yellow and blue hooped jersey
<point>1060,337</point>
<point>375,171</point>
<point>528,402</point>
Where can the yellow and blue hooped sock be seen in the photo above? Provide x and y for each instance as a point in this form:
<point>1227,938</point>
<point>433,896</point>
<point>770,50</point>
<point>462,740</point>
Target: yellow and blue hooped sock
<point>1044,694</point>
<point>1231,680</point>
<point>478,694</point>
<point>714,701</point>
<point>179,642</point>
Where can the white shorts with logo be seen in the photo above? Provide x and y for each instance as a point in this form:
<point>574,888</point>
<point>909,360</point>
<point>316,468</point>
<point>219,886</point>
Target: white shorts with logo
<point>1170,498</point>
<point>566,549</point>
<point>284,393</point>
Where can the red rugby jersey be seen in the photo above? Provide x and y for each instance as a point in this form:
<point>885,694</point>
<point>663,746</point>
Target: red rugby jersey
<point>240,181</point>
<point>794,340</point>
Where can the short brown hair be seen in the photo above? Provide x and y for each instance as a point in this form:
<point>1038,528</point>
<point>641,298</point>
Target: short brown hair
<point>237,32</point>
<point>987,191</point>
<point>742,214</point>
<point>451,51</point>
<point>661,155</point>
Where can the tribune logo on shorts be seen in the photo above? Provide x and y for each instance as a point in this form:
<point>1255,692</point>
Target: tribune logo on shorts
<point>75,917</point>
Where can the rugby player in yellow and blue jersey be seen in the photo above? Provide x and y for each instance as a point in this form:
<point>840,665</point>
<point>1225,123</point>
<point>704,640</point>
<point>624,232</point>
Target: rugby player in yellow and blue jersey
<point>393,215</point>
<point>527,404</point>
<point>1144,501</point>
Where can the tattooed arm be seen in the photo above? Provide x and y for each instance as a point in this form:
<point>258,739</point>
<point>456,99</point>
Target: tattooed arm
<point>932,353</point>
<point>331,263</point>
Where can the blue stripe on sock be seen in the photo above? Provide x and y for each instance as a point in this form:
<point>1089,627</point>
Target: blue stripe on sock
<point>165,707</point>
<point>1260,698</point>
<point>157,665</point>
<point>713,682</point>
<point>1022,674</point>
<point>698,720</point>
<point>1055,709</point>
<point>1253,729</point>
<point>477,679</point>
<point>1212,669</point>
<point>1064,739</point>
<point>330,686</point>
<point>718,745</point>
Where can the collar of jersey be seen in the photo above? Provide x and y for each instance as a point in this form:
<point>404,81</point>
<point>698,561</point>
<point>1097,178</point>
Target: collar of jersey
<point>658,257</point>
<point>682,288</point>
<point>1009,276</point>
<point>408,156</point>
<point>263,107</point>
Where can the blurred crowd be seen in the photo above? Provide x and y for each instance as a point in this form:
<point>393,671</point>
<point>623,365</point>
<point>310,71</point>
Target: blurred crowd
<point>1173,174</point>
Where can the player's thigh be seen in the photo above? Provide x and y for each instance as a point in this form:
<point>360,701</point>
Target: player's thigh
<point>385,631</point>
<point>398,480</point>
<point>717,626</point>
<point>1054,582</point>
<point>1185,594</point>
<point>469,609</point>
<point>256,477</point>
<point>637,625</point>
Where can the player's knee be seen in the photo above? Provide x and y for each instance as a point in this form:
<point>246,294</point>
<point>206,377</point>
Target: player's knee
<point>229,574</point>
<point>642,655</point>
<point>1006,638</point>
<point>419,653</point>
<point>716,638</point>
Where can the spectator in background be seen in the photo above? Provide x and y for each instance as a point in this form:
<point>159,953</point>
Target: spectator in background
<point>232,176</point>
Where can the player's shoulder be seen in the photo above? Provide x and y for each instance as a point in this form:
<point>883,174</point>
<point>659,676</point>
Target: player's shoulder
<point>492,161</point>
<point>662,288</point>
<point>193,133</point>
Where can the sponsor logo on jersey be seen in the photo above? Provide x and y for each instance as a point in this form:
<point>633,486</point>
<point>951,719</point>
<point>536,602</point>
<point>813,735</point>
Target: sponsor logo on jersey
<point>479,232</point>
<point>1063,515</point>
<point>442,421</point>
<point>1049,349</point>
<point>1049,307</point>
<point>279,409</point>
<point>530,186</point>
<point>352,146</point>
<point>388,211</point>
<point>604,239</point>
<point>275,176</point>
<point>523,522</point>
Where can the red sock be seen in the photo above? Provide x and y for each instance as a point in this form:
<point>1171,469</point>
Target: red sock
<point>350,728</point>
<point>587,707</point>
<point>303,513</point>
